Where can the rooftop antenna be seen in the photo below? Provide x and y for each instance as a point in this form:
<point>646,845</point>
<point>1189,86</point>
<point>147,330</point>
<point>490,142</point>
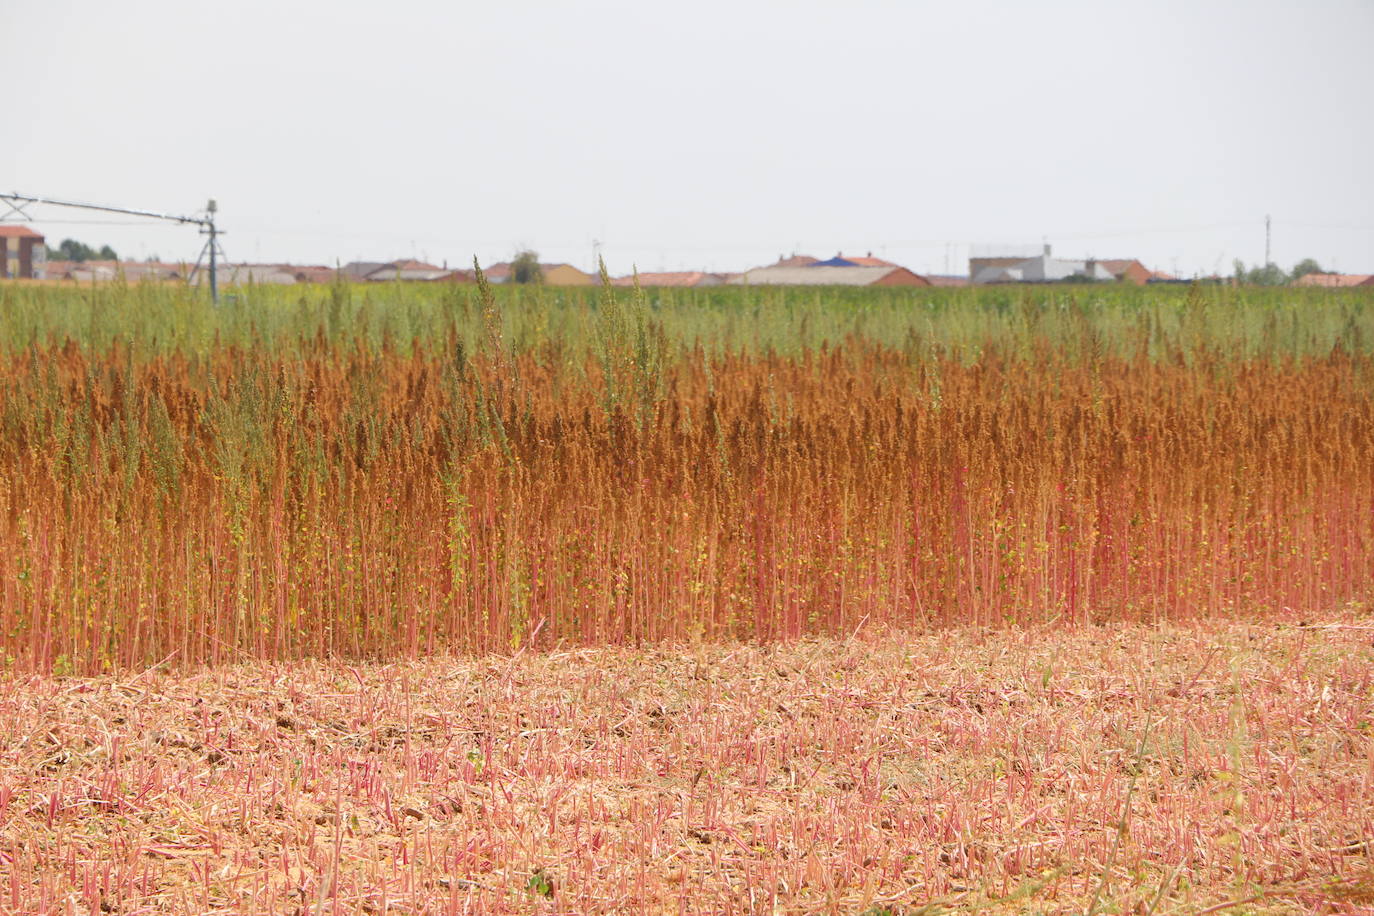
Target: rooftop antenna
<point>17,202</point>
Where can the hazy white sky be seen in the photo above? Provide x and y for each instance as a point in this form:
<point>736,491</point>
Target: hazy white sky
<point>705,134</point>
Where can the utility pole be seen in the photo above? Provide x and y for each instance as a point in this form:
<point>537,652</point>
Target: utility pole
<point>1266,240</point>
<point>17,202</point>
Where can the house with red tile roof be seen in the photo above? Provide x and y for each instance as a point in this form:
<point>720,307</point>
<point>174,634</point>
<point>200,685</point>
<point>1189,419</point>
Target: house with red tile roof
<point>1007,265</point>
<point>22,253</point>
<point>550,274</point>
<point>1335,281</point>
<point>869,261</point>
<point>829,275</point>
<point>59,270</point>
<point>680,278</point>
<point>103,270</point>
<point>360,270</point>
<point>1127,270</point>
<point>850,260</point>
<point>310,273</point>
<point>407,269</point>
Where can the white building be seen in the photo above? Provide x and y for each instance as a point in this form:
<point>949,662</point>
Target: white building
<point>1041,268</point>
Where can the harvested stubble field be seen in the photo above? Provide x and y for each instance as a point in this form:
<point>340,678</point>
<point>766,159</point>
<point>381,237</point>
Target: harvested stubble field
<point>393,562</point>
<point>1147,769</point>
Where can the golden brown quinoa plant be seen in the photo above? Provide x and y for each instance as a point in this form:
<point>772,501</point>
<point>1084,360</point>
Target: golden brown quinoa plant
<point>247,487</point>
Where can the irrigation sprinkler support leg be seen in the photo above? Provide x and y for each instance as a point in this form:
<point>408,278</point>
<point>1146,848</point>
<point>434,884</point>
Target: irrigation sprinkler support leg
<point>214,276</point>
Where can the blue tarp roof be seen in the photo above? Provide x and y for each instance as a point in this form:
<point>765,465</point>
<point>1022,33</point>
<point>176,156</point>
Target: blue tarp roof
<point>834,262</point>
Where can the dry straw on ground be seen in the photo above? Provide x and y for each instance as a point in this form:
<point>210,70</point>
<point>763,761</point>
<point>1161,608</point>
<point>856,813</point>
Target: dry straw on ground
<point>1176,769</point>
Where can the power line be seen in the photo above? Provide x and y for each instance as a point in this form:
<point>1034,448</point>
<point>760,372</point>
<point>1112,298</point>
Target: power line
<point>1329,228</point>
<point>1159,231</point>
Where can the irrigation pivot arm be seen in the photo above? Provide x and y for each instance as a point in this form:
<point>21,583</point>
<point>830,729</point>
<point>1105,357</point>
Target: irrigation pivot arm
<point>17,202</point>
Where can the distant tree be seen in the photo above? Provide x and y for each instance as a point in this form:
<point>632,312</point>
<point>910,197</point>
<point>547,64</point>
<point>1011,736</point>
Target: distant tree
<point>1306,266</point>
<point>72,250</point>
<point>1268,275</point>
<point>525,268</point>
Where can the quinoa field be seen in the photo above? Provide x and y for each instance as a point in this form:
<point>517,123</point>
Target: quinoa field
<point>447,599</point>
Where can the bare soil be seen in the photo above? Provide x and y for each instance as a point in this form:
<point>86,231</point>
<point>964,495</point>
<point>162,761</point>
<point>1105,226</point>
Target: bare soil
<point>1215,767</point>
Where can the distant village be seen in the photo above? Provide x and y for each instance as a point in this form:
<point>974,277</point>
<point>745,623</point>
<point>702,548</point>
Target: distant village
<point>24,254</point>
